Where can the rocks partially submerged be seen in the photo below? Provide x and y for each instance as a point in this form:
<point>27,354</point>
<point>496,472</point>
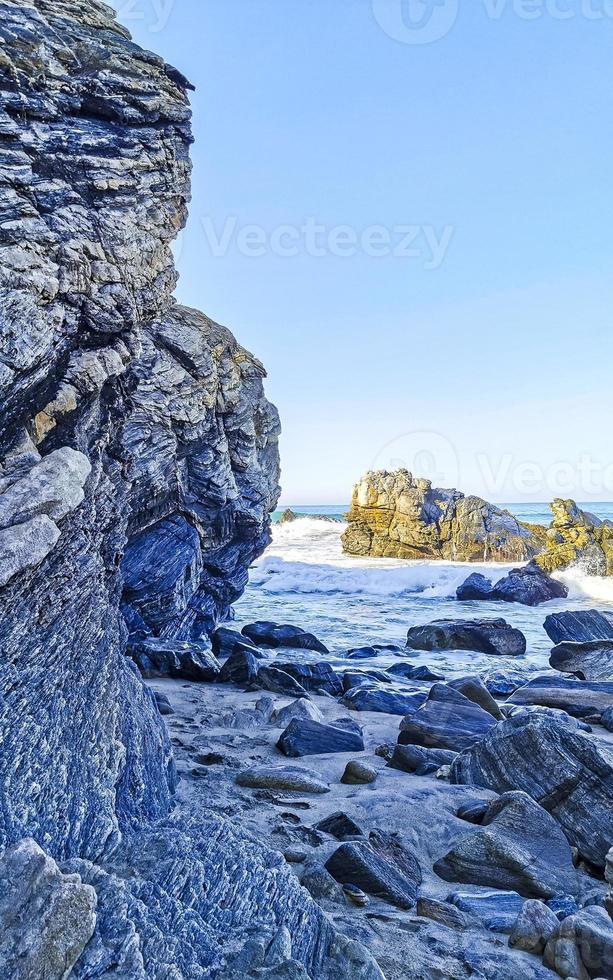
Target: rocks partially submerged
<point>529,586</point>
<point>591,661</point>
<point>491,636</point>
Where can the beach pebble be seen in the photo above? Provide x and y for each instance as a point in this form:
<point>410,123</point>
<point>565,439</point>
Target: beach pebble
<point>355,895</point>
<point>358,773</point>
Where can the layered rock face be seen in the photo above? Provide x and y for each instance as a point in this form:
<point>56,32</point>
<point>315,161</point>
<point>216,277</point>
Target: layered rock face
<point>138,464</point>
<point>395,515</point>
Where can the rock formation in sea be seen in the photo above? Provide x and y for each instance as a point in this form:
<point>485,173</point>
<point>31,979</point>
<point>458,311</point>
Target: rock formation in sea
<point>396,515</point>
<point>577,537</point>
<point>138,467</point>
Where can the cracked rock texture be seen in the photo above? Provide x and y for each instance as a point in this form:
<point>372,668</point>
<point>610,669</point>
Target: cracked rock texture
<point>138,467</point>
<point>396,515</point>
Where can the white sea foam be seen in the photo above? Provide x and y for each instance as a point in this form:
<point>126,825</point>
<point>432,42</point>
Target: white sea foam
<point>306,557</point>
<point>581,585</point>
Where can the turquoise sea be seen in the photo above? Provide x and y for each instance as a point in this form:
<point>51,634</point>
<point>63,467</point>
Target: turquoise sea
<point>531,513</point>
<point>304,578</point>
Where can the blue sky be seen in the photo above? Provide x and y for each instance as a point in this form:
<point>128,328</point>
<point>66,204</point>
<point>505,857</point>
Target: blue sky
<point>417,235</point>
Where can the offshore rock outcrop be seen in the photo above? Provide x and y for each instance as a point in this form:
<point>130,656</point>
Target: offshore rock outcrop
<point>395,515</point>
<point>138,465</point>
<point>577,537</point>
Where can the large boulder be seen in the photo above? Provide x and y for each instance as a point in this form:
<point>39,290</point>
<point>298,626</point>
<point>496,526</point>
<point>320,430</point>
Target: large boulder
<point>567,772</point>
<point>396,515</point>
<point>578,698</point>
<point>529,585</point>
<point>316,678</point>
<point>582,945</point>
<point>495,637</point>
<point>174,658</point>
<point>579,626</point>
<point>267,634</point>
<point>588,661</point>
<point>519,846</point>
<point>446,720</point>
<point>380,866</point>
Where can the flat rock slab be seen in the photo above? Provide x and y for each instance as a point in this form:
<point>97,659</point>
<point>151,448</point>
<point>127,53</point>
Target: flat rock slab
<point>578,698</point>
<point>567,772</point>
<point>495,637</point>
<point>383,701</point>
<point>360,863</point>
<point>267,634</point>
<point>591,661</point>
<point>289,778</point>
<point>497,910</point>
<point>447,720</point>
<point>580,626</point>
<point>305,737</point>
<point>518,847</point>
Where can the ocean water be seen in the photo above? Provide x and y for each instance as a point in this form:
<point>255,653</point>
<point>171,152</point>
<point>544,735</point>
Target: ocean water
<point>305,579</point>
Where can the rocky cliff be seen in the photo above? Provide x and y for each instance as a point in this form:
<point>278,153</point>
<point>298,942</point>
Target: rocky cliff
<point>395,515</point>
<point>138,465</point>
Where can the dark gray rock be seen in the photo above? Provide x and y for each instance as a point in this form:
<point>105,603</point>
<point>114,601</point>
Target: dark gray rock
<point>578,698</point>
<point>381,870</point>
<point>267,634</point>
<point>447,720</point>
<point>591,661</point>
<point>340,826</point>
<point>279,682</point>
<point>474,689</point>
<point>301,708</point>
<point>314,677</point>
<point>476,587</point>
<point>497,910</point>
<point>530,586</point>
<point>606,719</point>
<point>518,847</point>
<point>491,636</point>
<point>582,945</point>
<point>225,642</point>
<point>362,653</point>
<point>364,678</point>
<point>383,701</point>
<point>303,737</point>
<point>422,762</point>
<point>241,667</point>
<point>164,705</point>
<point>411,672</point>
<point>580,626</point>
<point>174,658</point>
<point>473,812</point>
<point>568,773</point>
<point>502,683</point>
